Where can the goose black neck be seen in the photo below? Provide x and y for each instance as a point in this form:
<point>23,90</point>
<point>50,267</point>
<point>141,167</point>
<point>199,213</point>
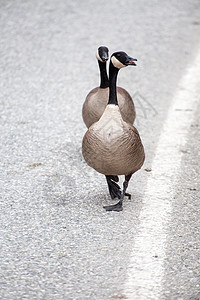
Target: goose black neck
<point>104,83</point>
<point>113,72</point>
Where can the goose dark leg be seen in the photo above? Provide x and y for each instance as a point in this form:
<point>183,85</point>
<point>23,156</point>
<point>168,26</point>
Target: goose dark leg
<point>127,178</point>
<point>113,187</point>
<point>118,206</point>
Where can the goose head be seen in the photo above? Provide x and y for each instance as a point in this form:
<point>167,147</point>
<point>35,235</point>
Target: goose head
<point>121,59</point>
<point>102,54</point>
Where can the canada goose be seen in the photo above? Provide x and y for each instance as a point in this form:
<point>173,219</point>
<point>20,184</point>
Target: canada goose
<point>112,146</point>
<point>97,99</point>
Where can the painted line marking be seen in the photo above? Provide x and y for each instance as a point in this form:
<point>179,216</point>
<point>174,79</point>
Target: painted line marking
<point>146,269</point>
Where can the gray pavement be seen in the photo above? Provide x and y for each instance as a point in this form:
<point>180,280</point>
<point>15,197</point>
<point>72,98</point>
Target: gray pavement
<point>56,240</point>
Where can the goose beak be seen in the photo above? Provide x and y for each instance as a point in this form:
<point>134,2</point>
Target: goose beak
<point>104,57</point>
<point>130,61</point>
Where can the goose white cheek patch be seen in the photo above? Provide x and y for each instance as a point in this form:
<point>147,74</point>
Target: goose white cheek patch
<point>98,57</point>
<point>117,63</point>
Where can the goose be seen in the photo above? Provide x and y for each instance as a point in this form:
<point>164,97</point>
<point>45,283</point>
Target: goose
<point>113,146</point>
<point>97,99</point>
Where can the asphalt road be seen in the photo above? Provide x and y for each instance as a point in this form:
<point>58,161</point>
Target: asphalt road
<point>56,240</point>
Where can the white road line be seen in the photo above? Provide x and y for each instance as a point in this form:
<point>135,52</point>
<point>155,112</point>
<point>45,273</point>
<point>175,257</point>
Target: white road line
<point>146,269</point>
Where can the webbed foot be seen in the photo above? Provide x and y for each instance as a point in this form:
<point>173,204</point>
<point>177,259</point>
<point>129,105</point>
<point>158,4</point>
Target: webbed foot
<point>116,207</point>
<point>128,195</point>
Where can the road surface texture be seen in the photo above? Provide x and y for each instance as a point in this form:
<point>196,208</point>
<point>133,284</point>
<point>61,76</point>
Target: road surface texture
<point>57,242</point>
